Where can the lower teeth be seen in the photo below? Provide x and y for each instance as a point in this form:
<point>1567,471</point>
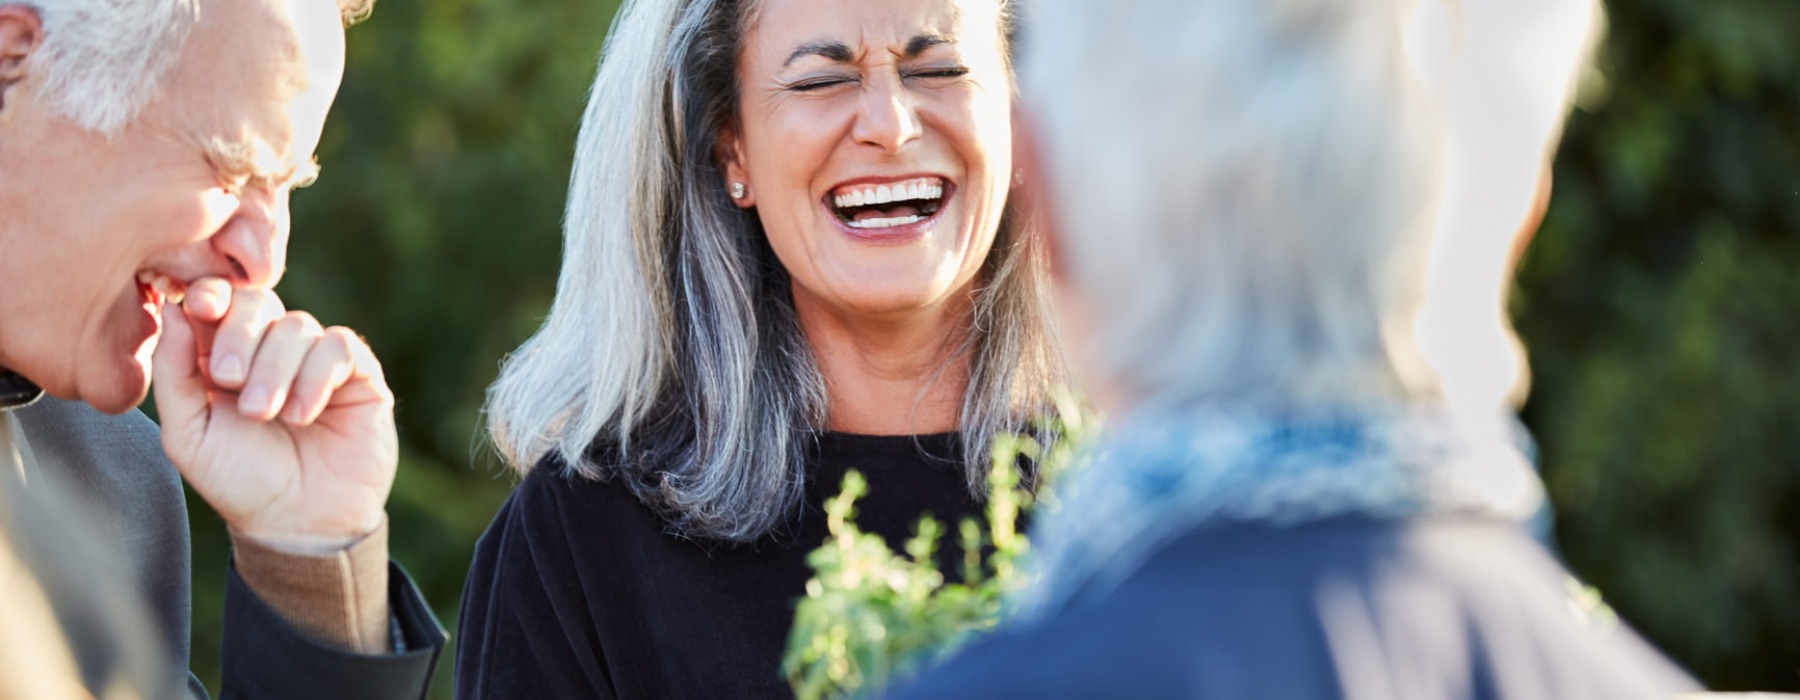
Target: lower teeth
<point>886,223</point>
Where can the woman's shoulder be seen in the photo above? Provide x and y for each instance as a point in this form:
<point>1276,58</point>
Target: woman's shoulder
<point>593,494</point>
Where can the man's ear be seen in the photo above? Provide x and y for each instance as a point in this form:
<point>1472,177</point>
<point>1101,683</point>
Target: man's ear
<point>21,32</point>
<point>730,152</point>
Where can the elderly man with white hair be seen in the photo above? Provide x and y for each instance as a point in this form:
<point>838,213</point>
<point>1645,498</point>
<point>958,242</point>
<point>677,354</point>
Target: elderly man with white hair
<point>147,152</point>
<point>1283,230</point>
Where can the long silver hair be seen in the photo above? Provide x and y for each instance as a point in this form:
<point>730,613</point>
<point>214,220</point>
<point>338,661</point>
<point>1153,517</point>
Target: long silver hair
<point>672,359</point>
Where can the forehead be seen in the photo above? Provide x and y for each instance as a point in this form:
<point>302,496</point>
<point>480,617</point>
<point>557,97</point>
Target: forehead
<point>257,70</point>
<point>778,26</point>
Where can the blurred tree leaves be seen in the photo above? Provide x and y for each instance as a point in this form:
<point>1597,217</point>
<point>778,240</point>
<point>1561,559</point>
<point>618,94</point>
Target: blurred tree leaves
<point>1660,303</point>
<point>1660,300</point>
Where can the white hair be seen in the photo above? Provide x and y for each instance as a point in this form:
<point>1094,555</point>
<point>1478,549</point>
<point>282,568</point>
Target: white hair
<point>103,59</point>
<point>672,359</point>
<point>1247,192</point>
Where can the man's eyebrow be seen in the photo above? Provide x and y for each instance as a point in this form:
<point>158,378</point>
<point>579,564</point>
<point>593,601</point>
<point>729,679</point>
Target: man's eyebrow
<point>240,160</point>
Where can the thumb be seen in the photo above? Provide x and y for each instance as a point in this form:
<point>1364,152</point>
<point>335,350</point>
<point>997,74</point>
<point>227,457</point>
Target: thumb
<point>179,387</point>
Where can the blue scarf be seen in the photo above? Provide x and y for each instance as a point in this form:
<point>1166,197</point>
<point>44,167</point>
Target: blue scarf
<point>1158,477</point>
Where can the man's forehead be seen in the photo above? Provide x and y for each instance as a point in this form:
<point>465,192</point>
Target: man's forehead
<point>258,78</point>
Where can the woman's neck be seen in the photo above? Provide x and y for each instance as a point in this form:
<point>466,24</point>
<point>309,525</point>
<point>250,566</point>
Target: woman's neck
<point>892,375</point>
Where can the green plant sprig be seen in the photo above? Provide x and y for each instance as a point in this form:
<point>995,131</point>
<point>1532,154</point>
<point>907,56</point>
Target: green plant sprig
<point>872,616</point>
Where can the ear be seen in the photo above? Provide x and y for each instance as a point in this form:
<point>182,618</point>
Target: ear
<point>21,31</point>
<point>730,152</point>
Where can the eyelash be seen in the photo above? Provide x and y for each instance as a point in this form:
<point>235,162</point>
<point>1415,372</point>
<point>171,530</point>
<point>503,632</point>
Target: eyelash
<point>951,72</point>
<point>818,84</point>
<point>822,83</point>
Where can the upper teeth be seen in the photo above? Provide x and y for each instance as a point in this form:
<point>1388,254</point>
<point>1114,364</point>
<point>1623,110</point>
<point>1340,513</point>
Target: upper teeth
<point>865,195</point>
<point>164,286</point>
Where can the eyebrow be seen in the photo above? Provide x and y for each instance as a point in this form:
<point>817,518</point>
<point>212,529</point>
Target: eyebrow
<point>236,159</point>
<point>839,52</point>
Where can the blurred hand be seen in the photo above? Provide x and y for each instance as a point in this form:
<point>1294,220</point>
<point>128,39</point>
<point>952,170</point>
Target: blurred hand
<point>286,428</point>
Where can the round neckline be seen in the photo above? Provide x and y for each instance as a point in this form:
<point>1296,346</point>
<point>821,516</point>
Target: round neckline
<point>888,444</point>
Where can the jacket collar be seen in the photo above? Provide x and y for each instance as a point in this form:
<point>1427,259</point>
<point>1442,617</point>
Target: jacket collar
<point>17,391</point>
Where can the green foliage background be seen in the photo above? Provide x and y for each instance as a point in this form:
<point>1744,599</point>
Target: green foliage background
<point>1661,303</point>
<point>1660,300</point>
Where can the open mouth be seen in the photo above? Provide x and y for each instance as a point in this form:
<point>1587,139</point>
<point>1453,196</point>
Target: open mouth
<point>160,288</point>
<point>889,205</point>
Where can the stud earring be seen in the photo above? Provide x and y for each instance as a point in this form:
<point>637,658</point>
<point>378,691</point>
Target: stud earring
<point>737,190</point>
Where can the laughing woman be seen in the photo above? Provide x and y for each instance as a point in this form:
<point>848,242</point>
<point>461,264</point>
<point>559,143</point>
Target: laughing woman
<point>788,254</point>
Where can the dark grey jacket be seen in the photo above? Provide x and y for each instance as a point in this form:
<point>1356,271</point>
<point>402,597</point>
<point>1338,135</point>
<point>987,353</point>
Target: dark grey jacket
<point>1357,609</point>
<point>126,524</point>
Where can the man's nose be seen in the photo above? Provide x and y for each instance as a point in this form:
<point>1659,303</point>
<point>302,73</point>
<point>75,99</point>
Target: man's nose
<point>888,119</point>
<point>254,242</point>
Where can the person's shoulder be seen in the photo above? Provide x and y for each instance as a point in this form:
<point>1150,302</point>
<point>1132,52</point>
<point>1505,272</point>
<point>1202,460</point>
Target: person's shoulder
<point>1261,611</point>
<point>58,427</point>
<point>577,511</point>
<point>113,464</point>
<point>592,489</point>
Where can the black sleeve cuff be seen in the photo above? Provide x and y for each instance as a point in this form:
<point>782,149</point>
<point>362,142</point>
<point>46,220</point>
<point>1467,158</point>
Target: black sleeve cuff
<point>265,657</point>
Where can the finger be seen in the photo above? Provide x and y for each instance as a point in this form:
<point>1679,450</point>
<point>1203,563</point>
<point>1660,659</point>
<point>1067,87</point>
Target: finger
<point>329,365</point>
<point>239,334</point>
<point>366,384</point>
<point>276,363</point>
<point>180,389</point>
<point>207,299</point>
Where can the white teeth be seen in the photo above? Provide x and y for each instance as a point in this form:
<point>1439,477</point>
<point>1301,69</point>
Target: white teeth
<point>862,196</point>
<point>164,286</point>
<point>887,222</point>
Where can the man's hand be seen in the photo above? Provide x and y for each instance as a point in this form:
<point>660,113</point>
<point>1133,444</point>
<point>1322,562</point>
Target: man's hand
<point>286,428</point>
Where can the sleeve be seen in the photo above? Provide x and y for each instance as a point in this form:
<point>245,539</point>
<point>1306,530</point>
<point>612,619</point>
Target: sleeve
<point>526,630</point>
<point>266,657</point>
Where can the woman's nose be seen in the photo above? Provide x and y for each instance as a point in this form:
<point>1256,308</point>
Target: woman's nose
<point>888,119</point>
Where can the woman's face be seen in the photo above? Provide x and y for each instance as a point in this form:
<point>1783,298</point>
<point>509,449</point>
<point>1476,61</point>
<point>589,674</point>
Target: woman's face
<point>874,140</point>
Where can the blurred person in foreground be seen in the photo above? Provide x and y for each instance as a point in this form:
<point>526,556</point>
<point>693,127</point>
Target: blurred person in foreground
<point>147,152</point>
<point>789,253</point>
<point>1282,230</point>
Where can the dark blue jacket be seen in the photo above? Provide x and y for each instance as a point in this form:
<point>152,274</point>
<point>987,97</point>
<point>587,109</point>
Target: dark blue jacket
<point>1359,609</point>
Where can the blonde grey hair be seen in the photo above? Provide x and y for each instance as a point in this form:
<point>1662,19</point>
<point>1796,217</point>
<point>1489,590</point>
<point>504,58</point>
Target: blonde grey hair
<point>104,59</point>
<point>1248,194</point>
<point>672,359</point>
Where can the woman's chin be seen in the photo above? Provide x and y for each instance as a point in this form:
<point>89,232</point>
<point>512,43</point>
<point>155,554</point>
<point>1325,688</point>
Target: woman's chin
<point>875,298</point>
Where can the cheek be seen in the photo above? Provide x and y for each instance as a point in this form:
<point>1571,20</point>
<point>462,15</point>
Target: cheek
<point>188,221</point>
<point>979,128</point>
<point>203,216</point>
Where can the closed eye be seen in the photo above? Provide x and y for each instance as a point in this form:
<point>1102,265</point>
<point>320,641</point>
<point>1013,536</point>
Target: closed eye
<point>812,84</point>
<point>949,72</point>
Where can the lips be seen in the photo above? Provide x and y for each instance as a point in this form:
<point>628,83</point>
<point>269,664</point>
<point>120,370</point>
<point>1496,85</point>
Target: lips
<point>872,206</point>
